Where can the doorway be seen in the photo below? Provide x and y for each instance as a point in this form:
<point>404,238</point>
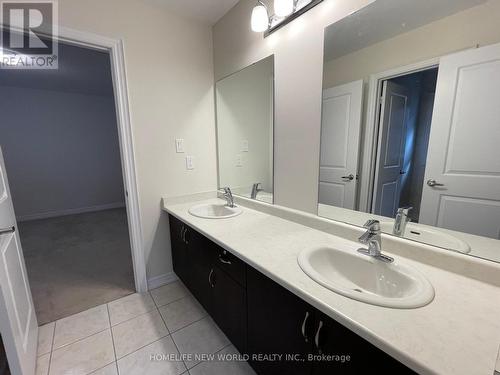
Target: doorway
<point>406,107</point>
<point>66,178</point>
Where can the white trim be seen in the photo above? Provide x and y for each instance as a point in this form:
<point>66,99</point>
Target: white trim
<point>371,128</point>
<point>69,211</point>
<point>116,51</point>
<point>157,281</point>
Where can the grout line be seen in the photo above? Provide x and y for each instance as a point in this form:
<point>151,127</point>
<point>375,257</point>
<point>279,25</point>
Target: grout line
<point>111,332</point>
<point>52,347</point>
<point>175,344</point>
<point>129,319</point>
<point>80,339</point>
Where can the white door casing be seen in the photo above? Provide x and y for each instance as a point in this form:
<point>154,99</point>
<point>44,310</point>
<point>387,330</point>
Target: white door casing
<point>464,145</point>
<point>391,146</point>
<point>18,323</point>
<point>340,130</point>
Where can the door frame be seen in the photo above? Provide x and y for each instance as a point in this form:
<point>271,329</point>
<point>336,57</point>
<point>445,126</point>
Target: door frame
<point>371,131</point>
<point>115,48</point>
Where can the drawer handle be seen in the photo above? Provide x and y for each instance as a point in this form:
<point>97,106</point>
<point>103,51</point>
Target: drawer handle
<point>210,282</point>
<point>306,339</point>
<point>221,258</point>
<point>316,338</point>
<point>186,241</point>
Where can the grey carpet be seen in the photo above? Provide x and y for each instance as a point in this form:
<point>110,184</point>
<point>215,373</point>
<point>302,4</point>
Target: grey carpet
<point>77,262</point>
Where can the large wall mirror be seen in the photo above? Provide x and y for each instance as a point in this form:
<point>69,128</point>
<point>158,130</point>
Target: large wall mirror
<point>411,122</point>
<point>245,119</point>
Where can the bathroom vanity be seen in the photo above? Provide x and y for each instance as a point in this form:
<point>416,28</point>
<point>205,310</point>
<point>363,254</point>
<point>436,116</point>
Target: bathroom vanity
<point>244,271</point>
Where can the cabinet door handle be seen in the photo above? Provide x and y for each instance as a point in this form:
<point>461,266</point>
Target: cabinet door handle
<point>221,258</point>
<point>306,339</point>
<point>182,233</point>
<point>210,282</point>
<point>186,240</point>
<point>316,337</point>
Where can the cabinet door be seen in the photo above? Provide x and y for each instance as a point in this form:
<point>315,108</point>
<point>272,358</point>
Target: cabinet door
<point>201,259</point>
<point>180,257</point>
<point>279,323</point>
<point>333,343</point>
<point>230,307</point>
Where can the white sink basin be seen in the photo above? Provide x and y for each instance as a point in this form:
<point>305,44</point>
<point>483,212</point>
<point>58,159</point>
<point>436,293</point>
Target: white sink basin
<point>366,279</point>
<point>430,236</point>
<point>215,211</point>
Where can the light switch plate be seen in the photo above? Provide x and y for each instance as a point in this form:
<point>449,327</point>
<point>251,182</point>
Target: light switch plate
<point>189,163</point>
<point>244,146</point>
<point>179,145</point>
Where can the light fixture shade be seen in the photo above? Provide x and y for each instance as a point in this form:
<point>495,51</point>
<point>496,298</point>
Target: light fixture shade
<point>283,8</point>
<point>260,18</point>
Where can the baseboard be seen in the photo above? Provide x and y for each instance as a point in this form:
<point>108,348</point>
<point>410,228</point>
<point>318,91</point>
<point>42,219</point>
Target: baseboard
<point>71,211</point>
<point>157,281</point>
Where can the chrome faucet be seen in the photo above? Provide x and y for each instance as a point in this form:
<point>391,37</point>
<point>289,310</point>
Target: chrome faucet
<point>373,239</point>
<point>255,189</point>
<point>401,220</point>
<point>229,197</point>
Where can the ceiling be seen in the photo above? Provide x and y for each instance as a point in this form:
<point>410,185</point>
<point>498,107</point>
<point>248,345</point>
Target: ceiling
<point>81,70</point>
<point>206,11</point>
<point>384,19</point>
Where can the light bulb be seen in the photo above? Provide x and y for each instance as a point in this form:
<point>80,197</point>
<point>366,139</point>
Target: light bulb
<point>283,8</point>
<point>260,18</point>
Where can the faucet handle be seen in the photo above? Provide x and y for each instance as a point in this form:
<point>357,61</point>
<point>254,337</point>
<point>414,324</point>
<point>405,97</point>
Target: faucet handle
<point>372,225</point>
<point>405,210</point>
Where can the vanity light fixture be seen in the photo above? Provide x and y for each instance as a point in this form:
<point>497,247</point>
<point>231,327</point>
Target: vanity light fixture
<point>285,11</point>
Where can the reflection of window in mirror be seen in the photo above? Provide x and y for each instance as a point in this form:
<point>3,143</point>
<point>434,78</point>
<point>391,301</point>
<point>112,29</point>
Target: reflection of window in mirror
<point>245,118</point>
<point>411,122</point>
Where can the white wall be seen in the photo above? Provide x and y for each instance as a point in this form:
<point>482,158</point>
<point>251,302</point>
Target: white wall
<point>244,113</point>
<point>298,51</point>
<point>169,70</point>
<point>475,26</point>
<point>62,154</point>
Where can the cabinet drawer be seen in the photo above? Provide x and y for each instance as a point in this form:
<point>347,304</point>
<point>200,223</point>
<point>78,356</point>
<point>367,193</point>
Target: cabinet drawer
<point>232,265</point>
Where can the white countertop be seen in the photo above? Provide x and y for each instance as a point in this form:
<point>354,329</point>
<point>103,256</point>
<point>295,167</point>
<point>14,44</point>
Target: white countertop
<point>457,333</point>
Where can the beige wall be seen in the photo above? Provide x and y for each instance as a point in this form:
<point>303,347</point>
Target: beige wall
<point>170,79</point>
<point>298,50</point>
<point>479,25</point>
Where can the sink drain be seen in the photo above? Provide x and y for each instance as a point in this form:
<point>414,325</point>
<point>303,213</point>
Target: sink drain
<point>358,290</point>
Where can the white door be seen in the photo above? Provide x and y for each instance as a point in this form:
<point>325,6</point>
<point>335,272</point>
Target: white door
<point>462,177</point>
<point>18,323</point>
<point>340,127</point>
<point>391,146</point>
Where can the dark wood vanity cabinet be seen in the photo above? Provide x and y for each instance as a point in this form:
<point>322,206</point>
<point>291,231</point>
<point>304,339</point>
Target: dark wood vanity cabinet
<point>281,333</point>
<point>214,277</point>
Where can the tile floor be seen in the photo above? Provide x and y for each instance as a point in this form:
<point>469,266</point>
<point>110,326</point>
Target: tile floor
<point>139,334</point>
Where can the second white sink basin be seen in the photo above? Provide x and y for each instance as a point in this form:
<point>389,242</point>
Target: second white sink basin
<point>430,236</point>
<point>366,279</point>
<point>214,211</point>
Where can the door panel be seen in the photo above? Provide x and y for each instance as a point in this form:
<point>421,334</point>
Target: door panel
<point>464,154</point>
<point>340,128</point>
<point>391,146</point>
<point>18,322</point>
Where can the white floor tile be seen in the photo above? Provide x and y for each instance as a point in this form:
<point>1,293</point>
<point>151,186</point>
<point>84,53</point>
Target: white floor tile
<point>81,325</point>
<point>140,362</point>
<point>42,364</point>
<point>169,293</point>
<point>84,356</point>
<point>227,362</point>
<point>181,313</point>
<point>45,336</point>
<point>129,307</point>
<point>202,337</point>
<point>108,370</point>
<point>138,332</point>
